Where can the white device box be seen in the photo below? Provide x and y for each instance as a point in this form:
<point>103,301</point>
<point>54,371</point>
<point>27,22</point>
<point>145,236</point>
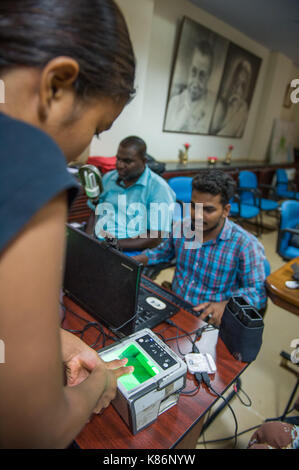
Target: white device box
<point>156,382</point>
<point>198,362</point>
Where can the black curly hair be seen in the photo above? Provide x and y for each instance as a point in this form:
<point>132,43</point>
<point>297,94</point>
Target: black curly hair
<point>215,182</point>
<point>137,143</point>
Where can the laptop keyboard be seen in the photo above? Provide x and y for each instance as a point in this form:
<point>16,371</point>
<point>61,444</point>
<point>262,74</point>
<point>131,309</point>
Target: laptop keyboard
<point>163,294</point>
<point>147,317</point>
<point>143,315</point>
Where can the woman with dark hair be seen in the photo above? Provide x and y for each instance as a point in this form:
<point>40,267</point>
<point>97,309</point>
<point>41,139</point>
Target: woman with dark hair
<point>68,70</point>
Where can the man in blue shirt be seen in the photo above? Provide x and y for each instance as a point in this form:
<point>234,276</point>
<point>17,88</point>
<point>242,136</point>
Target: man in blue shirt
<point>230,261</point>
<point>137,204</point>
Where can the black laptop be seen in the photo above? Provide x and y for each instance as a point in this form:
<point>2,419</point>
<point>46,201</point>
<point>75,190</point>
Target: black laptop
<point>106,283</point>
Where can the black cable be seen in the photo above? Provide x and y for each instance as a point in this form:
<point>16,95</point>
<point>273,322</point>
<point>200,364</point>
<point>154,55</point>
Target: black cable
<point>191,392</point>
<point>88,325</point>
<point>248,405</point>
<point>186,334</point>
<point>73,313</point>
<point>206,379</point>
<point>230,437</point>
<point>195,390</point>
<point>203,432</point>
<point>239,433</point>
<point>98,327</point>
<point>198,332</point>
<point>180,336</point>
<point>125,323</point>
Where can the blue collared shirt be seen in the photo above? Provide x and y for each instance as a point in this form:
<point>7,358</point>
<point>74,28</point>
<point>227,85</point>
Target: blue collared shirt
<point>128,212</point>
<point>233,264</point>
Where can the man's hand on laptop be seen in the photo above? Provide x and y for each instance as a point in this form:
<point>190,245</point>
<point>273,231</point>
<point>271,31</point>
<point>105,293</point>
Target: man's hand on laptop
<point>211,311</point>
<point>141,259</point>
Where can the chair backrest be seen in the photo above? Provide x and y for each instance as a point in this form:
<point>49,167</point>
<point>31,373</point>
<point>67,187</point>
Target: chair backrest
<point>281,176</point>
<point>281,181</point>
<point>247,179</point>
<point>289,214</point>
<point>289,218</point>
<point>182,186</point>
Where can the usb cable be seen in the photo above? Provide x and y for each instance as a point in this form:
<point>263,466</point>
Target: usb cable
<point>204,377</point>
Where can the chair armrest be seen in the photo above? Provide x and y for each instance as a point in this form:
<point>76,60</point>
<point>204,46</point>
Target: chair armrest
<point>290,230</point>
<point>256,194</point>
<point>281,233</point>
<point>236,197</point>
<point>292,186</point>
<point>252,190</point>
<point>271,189</point>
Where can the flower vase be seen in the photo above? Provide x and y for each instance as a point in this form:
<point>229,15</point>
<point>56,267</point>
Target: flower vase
<point>212,161</point>
<point>185,157</point>
<point>183,154</point>
<point>228,155</point>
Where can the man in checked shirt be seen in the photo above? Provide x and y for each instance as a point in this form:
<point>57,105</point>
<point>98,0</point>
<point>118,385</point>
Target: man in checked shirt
<point>230,260</point>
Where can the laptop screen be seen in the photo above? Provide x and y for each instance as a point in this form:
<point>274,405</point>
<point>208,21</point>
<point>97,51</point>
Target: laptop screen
<point>101,280</point>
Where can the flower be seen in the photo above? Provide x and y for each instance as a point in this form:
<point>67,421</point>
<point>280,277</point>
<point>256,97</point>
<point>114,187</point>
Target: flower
<point>186,145</point>
<point>212,158</point>
<point>231,147</point>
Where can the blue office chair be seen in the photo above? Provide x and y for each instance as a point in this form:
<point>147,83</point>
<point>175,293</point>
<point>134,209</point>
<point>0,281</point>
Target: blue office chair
<point>182,186</point>
<point>284,188</point>
<point>287,245</point>
<point>251,194</point>
<point>247,183</point>
<point>245,212</point>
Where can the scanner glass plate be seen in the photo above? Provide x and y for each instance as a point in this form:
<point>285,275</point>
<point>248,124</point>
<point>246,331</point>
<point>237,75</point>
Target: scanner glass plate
<point>144,368</point>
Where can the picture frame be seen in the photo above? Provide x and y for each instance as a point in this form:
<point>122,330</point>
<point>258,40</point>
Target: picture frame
<point>190,104</point>
<point>235,93</point>
<point>201,70</point>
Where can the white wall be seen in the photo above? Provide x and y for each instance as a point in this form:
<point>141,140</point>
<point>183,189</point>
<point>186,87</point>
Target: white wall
<point>270,106</point>
<point>153,26</point>
<point>138,14</point>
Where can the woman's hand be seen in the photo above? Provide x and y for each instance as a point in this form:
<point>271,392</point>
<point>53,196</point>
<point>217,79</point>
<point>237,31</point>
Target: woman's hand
<point>78,358</point>
<point>114,370</point>
<point>80,361</point>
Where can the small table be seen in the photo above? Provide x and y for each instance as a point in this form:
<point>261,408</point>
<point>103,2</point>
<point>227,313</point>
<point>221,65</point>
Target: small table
<point>277,290</point>
<point>180,426</point>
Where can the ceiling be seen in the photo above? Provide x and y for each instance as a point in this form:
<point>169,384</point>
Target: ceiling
<point>272,23</point>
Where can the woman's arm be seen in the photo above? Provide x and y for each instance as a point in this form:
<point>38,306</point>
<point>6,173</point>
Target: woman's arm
<point>36,409</point>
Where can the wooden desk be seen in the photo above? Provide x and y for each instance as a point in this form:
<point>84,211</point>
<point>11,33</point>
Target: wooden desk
<point>178,427</point>
<point>264,171</point>
<point>279,293</point>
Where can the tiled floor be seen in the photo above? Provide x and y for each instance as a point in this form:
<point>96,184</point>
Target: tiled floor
<point>267,384</point>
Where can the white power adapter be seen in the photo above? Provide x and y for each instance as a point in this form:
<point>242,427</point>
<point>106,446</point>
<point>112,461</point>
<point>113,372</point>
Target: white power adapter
<point>199,362</point>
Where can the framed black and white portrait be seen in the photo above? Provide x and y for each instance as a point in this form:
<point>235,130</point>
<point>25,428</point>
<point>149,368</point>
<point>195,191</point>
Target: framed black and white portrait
<point>235,92</point>
<point>197,72</point>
